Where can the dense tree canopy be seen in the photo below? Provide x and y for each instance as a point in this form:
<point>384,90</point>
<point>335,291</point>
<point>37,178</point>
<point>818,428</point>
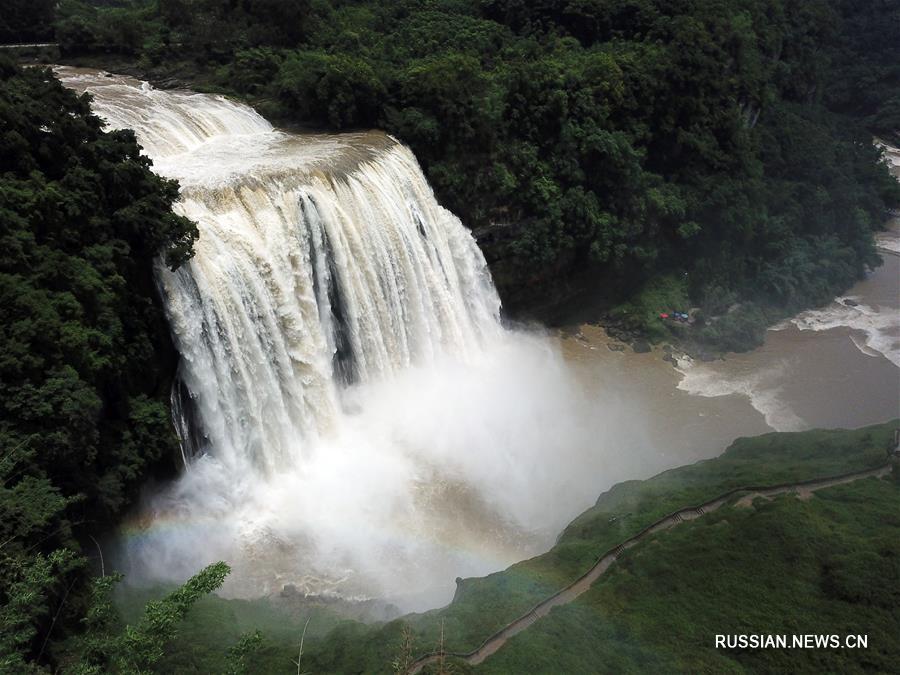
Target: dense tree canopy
<point>85,356</point>
<point>26,20</point>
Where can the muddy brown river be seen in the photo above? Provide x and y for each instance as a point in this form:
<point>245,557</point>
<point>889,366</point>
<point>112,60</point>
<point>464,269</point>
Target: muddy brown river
<point>837,366</point>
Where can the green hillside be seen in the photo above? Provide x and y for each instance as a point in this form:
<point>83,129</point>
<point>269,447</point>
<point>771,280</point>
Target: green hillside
<point>829,565</point>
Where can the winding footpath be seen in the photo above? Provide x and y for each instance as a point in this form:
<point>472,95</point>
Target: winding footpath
<point>803,490</point>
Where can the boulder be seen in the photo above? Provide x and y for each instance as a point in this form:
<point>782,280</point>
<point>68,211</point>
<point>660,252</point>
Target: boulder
<point>640,346</point>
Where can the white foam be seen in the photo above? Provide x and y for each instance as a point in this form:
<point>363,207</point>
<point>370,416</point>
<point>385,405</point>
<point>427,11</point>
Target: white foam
<point>881,325</point>
<point>891,155</point>
<point>451,469</point>
<point>761,387</point>
<point>888,241</point>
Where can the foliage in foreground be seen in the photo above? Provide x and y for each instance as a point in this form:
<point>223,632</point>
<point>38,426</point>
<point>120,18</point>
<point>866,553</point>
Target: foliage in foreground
<point>616,139</point>
<point>105,647</point>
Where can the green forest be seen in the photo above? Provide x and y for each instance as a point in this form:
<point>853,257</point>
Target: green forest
<point>719,148</point>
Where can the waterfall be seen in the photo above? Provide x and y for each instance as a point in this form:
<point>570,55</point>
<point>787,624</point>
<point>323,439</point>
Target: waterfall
<point>305,282</point>
<point>355,419</point>
<point>314,270</point>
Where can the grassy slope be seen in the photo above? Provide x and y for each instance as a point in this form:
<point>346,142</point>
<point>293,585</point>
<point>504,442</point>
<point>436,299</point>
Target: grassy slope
<point>484,605</point>
<point>830,565</point>
<point>642,616</point>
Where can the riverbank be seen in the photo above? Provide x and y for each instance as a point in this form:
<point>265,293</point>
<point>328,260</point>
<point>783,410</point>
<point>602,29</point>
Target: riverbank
<point>831,367</point>
<point>661,317</point>
<point>651,316</point>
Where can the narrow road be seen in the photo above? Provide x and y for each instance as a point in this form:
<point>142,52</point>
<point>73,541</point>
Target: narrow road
<point>585,581</point>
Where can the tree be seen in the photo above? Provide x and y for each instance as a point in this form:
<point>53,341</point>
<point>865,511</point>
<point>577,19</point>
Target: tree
<point>102,648</point>
<point>403,660</point>
<point>85,352</point>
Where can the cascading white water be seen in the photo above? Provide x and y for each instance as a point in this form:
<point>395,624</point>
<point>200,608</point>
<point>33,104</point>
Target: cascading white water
<point>355,416</point>
<point>303,282</point>
<point>301,279</point>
